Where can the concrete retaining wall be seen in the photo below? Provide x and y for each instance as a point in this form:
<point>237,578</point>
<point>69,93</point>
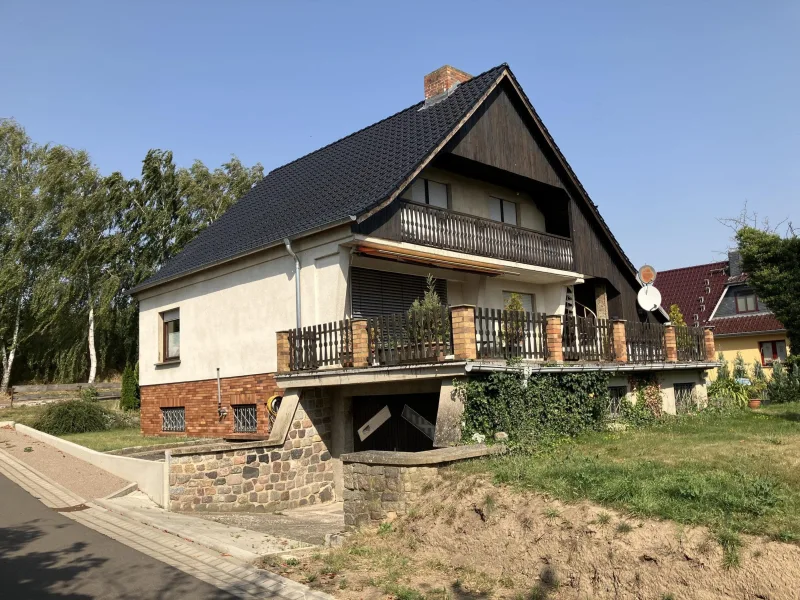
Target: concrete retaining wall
<point>148,475</point>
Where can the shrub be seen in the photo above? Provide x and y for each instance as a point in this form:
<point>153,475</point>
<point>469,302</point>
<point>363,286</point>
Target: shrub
<point>540,408</point>
<point>727,394</point>
<point>129,397</point>
<point>649,403</point>
<point>785,383</point>
<point>73,416</point>
<point>89,393</point>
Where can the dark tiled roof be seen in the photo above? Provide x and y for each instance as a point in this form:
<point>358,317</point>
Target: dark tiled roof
<point>686,286</point>
<point>742,324</point>
<point>348,177</point>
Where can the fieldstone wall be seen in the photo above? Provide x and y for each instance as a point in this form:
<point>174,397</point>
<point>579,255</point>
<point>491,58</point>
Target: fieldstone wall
<point>377,493</point>
<point>253,477</point>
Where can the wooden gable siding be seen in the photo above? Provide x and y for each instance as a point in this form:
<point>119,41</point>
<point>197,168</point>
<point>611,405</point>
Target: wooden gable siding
<point>496,135</point>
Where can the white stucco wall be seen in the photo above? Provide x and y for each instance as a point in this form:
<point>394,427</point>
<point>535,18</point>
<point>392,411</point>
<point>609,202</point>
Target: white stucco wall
<point>229,316</point>
<point>667,379</point>
<point>471,196</point>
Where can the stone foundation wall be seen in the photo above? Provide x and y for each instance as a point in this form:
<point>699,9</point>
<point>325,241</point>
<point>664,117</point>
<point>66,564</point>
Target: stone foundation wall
<point>199,400</point>
<point>256,478</point>
<point>377,493</point>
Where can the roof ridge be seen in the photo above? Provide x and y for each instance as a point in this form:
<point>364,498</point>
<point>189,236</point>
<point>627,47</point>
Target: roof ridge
<point>375,124</point>
<point>718,262</point>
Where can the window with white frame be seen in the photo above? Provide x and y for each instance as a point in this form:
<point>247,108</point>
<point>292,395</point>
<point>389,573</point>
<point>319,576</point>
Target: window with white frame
<point>171,335</point>
<point>430,192</point>
<point>503,211</point>
<point>772,351</point>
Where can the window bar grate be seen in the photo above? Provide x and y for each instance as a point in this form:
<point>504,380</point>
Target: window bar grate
<point>173,419</point>
<point>245,418</point>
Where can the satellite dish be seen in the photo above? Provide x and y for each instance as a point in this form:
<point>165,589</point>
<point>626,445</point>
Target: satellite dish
<point>649,298</point>
<point>646,275</point>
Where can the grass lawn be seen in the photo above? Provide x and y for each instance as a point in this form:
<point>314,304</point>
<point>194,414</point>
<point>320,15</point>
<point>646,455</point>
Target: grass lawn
<point>102,441</point>
<point>733,473</point>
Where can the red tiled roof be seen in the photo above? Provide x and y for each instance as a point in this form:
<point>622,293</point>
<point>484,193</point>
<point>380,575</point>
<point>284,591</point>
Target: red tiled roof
<point>746,324</point>
<point>685,287</point>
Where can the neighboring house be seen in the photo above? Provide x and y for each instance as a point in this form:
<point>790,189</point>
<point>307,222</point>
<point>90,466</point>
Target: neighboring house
<point>302,289</point>
<point>717,294</point>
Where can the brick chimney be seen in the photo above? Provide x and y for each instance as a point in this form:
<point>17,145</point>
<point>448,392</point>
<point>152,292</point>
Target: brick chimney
<point>442,79</point>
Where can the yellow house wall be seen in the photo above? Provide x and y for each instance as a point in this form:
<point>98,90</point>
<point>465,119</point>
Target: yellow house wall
<point>748,346</point>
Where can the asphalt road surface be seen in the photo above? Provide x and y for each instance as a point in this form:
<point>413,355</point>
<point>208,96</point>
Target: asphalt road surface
<point>43,554</point>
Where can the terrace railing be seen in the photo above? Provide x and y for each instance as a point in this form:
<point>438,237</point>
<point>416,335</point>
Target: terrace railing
<point>440,228</point>
<point>315,346</point>
<point>690,342</point>
<point>510,334</point>
<point>645,342</point>
<point>412,337</point>
<point>587,339</point>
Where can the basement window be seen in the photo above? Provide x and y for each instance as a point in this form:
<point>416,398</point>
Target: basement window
<point>173,419</point>
<point>685,400</point>
<point>616,396</point>
<point>245,418</point>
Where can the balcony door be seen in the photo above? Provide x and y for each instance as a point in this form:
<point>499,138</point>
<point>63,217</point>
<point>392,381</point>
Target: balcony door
<point>374,293</point>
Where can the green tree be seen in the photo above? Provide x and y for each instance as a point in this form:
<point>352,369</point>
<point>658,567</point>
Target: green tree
<point>676,316</point>
<point>129,396</point>
<point>773,268</point>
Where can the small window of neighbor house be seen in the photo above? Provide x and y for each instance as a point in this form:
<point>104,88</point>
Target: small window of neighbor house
<point>173,419</point>
<point>171,335</point>
<point>746,302</point>
<point>772,351</point>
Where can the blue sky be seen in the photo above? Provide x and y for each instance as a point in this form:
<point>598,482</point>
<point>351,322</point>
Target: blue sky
<point>672,114</point>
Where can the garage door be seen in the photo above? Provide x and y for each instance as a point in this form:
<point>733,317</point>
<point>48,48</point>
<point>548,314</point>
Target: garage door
<point>410,416</point>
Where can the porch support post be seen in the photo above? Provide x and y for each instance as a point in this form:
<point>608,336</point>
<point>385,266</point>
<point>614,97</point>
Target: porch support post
<point>619,340</point>
<point>284,351</point>
<point>360,343</point>
<point>711,347</point>
<point>555,346</point>
<point>464,340</point>
<point>670,343</point>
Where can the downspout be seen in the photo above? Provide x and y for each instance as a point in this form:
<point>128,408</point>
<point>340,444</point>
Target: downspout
<point>288,245</point>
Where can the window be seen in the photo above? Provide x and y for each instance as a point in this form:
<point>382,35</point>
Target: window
<point>616,396</point>
<point>430,192</point>
<point>528,301</point>
<point>245,418</point>
<point>503,211</point>
<point>772,351</point>
<point>171,335</point>
<point>173,419</point>
<point>375,293</point>
<point>746,302</point>
<point>684,398</point>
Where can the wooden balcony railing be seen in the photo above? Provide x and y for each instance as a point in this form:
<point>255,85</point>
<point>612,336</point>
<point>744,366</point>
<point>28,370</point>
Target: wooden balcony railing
<point>690,342</point>
<point>645,342</point>
<point>409,337</point>
<point>329,344</point>
<point>587,339</point>
<point>448,230</point>
<point>510,334</point>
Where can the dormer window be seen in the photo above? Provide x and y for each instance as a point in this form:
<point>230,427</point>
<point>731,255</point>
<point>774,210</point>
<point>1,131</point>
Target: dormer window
<point>430,192</point>
<point>746,302</point>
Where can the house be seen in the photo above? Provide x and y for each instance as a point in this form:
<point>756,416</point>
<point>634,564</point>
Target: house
<point>302,290</point>
<point>717,295</point>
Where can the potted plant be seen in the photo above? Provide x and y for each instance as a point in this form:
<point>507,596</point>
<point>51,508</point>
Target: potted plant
<point>754,392</point>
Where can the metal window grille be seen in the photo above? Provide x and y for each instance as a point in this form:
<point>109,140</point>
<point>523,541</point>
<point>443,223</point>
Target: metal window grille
<point>685,400</point>
<point>173,419</point>
<point>245,418</point>
<point>616,396</point>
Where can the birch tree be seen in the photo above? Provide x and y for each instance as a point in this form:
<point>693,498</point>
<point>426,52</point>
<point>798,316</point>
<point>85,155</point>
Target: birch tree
<point>20,220</point>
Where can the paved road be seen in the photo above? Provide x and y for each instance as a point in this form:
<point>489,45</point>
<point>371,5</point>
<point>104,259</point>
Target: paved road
<point>43,554</point>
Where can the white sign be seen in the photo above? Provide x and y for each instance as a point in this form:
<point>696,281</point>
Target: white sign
<point>370,426</point>
<point>420,422</point>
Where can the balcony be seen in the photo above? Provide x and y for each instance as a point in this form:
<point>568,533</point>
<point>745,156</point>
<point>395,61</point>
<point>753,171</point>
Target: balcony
<point>466,333</point>
<point>447,230</point>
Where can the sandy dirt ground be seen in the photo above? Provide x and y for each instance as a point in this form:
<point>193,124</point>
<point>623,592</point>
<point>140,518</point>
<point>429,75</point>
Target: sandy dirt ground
<point>87,481</point>
<point>472,539</point>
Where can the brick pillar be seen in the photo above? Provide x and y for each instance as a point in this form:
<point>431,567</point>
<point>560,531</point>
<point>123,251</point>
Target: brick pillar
<point>360,344</point>
<point>284,351</point>
<point>555,347</point>
<point>619,340</point>
<point>711,347</point>
<point>670,343</point>
<point>464,342</point>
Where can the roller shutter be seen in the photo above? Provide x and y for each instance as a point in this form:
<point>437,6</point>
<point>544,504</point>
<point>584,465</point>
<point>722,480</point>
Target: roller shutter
<point>377,293</point>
